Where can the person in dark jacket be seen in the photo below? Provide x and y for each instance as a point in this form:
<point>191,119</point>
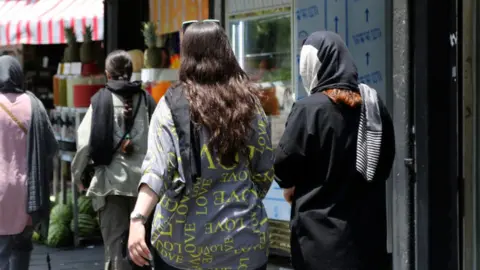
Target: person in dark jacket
<point>333,162</point>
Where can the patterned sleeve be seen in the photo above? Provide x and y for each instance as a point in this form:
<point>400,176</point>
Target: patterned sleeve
<point>262,155</point>
<point>161,159</point>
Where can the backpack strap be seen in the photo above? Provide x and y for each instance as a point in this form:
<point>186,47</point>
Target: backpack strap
<point>129,129</point>
<point>150,103</point>
<point>188,138</point>
<point>14,118</point>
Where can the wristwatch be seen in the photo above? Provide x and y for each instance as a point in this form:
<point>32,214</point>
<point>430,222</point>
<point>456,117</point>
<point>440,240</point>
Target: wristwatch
<point>138,216</point>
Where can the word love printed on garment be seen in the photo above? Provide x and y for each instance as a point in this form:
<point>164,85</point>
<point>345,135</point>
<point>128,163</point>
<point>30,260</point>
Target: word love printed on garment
<point>220,219</point>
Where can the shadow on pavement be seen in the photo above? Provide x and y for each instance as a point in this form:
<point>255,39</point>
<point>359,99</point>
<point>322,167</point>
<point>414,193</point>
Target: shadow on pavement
<point>91,258</point>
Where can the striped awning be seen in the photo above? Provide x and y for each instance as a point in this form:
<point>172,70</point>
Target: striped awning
<point>43,21</point>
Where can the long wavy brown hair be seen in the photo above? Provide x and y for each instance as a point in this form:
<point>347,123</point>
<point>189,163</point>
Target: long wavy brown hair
<point>221,96</point>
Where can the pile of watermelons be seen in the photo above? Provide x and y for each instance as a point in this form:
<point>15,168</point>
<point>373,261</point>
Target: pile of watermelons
<point>61,227</point>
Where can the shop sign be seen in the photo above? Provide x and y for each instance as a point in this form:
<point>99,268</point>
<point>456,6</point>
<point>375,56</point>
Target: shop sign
<point>361,23</point>
<point>170,14</point>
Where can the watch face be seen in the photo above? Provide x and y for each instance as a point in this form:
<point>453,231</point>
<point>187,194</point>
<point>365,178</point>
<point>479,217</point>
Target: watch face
<point>138,217</point>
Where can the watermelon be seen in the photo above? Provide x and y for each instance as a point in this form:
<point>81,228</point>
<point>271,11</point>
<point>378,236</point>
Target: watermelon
<point>36,237</point>
<point>61,214</point>
<point>87,225</point>
<point>59,235</point>
<point>85,206</point>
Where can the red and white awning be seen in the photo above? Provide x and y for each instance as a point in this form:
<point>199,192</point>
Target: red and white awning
<point>43,21</point>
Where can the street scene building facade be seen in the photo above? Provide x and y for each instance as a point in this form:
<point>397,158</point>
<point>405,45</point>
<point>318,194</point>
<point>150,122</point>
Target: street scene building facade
<point>419,55</point>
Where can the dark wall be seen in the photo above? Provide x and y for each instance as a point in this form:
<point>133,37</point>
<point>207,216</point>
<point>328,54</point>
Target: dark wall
<point>437,95</point>
<point>123,21</point>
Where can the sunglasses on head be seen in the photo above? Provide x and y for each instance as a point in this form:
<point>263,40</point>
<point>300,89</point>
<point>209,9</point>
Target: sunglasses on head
<point>186,24</point>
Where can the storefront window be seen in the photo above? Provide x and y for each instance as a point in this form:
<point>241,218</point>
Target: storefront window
<point>262,43</point>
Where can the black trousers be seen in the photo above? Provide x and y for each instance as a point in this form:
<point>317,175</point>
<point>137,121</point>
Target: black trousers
<point>115,225</point>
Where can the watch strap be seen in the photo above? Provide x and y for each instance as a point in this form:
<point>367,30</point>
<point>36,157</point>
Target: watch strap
<point>138,216</point>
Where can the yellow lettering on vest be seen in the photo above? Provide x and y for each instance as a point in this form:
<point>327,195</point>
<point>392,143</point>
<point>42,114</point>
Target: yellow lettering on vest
<point>168,204</point>
<point>167,232</point>
<point>228,244</point>
<point>243,263</point>
<point>207,259</point>
<point>190,249</point>
<point>262,141</point>
<point>228,225</point>
<point>172,256</point>
<point>234,177</point>
<point>262,128</point>
<point>190,232</point>
<point>249,191</point>
<point>206,152</point>
<point>219,197</point>
<point>202,204</point>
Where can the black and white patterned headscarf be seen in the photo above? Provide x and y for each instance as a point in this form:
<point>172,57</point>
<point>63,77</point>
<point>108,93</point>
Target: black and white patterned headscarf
<point>326,63</point>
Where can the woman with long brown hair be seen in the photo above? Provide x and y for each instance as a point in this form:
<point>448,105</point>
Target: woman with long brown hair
<point>333,162</point>
<point>209,165</point>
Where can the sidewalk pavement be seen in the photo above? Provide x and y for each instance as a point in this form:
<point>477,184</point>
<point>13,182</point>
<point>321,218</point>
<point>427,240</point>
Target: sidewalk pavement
<point>91,258</point>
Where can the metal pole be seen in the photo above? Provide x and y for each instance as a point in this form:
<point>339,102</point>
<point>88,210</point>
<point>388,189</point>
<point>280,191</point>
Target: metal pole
<point>75,213</point>
<point>63,186</point>
<point>402,195</point>
<point>56,175</point>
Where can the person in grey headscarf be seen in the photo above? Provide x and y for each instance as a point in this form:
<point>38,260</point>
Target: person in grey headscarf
<point>333,162</point>
<point>27,147</point>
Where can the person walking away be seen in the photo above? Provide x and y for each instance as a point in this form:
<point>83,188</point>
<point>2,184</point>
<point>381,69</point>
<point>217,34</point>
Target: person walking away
<point>27,148</point>
<point>113,135</point>
<point>333,162</point>
<point>209,165</point>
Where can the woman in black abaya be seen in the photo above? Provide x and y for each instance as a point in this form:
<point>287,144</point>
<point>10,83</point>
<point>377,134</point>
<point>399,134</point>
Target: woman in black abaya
<point>333,162</point>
